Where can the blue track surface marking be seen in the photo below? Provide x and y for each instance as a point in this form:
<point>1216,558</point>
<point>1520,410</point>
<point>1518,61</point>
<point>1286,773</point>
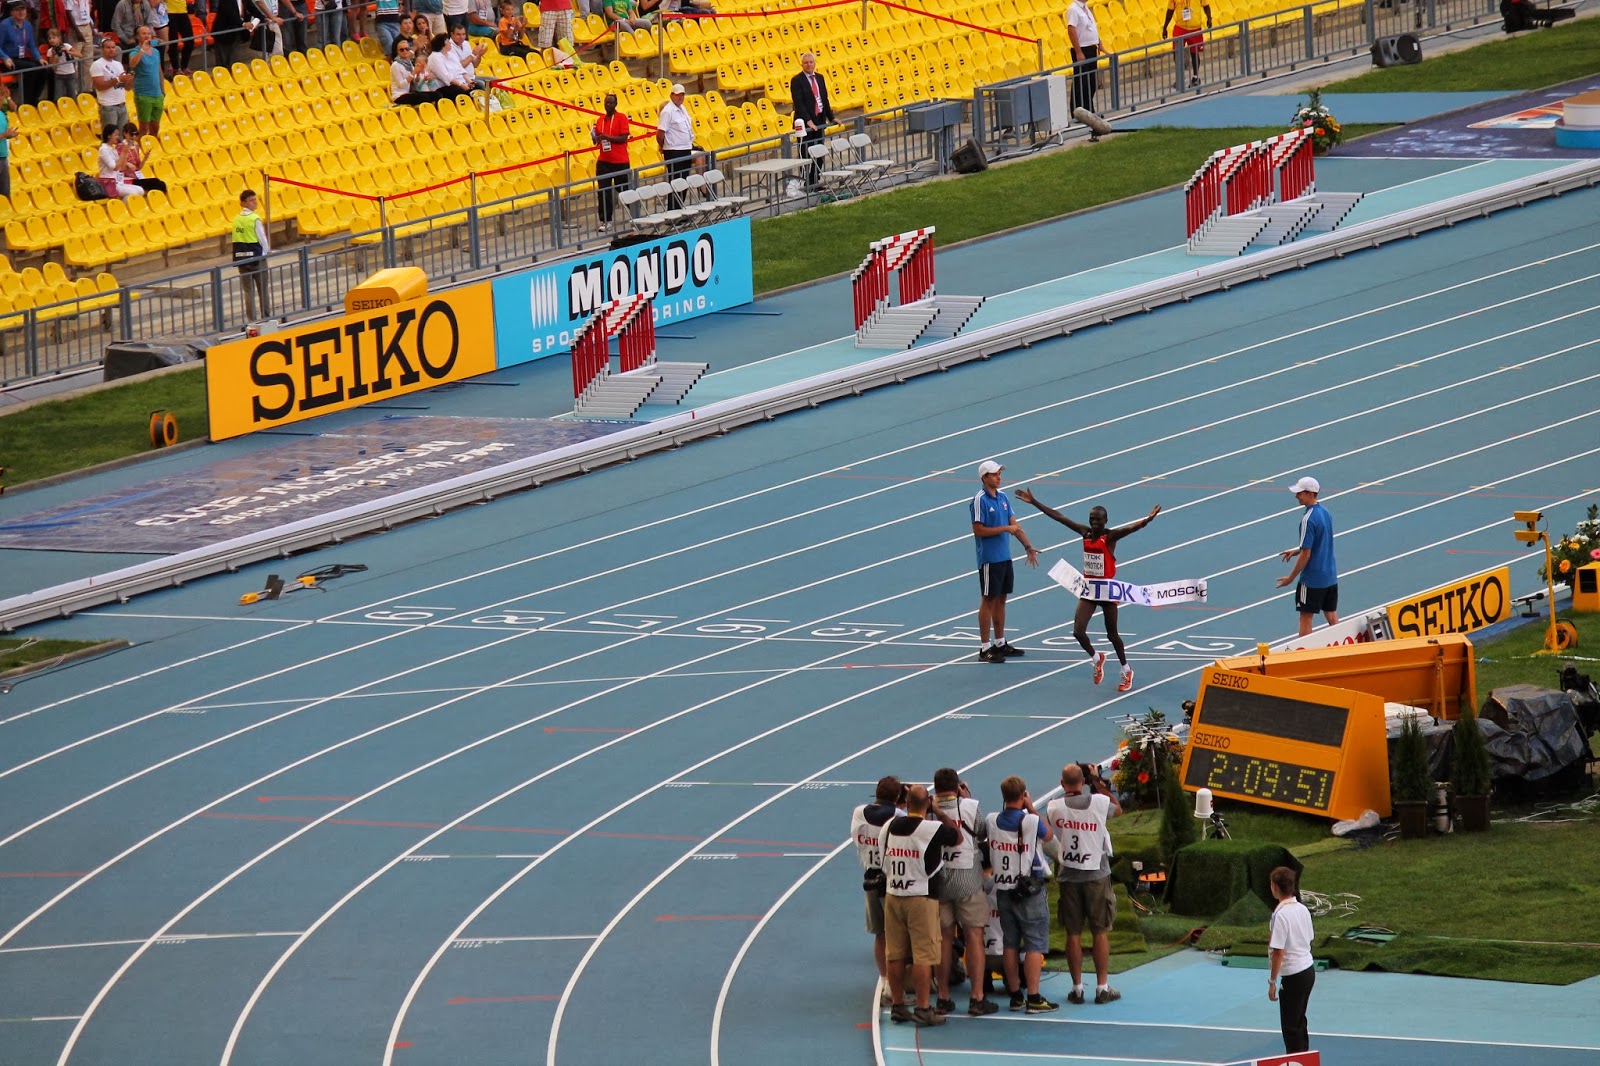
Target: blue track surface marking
<point>566,776</point>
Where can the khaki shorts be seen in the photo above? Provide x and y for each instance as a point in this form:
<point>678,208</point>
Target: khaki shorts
<point>1091,903</point>
<point>911,929</point>
<point>970,913</point>
<point>874,913</point>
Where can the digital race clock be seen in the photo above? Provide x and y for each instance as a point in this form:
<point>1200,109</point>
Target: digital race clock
<point>1288,744</point>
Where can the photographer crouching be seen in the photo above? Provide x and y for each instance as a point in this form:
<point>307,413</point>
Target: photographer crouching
<point>1082,849</point>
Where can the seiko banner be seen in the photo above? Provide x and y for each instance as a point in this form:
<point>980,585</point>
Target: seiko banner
<point>536,312</point>
<point>1461,607</point>
<point>344,362</point>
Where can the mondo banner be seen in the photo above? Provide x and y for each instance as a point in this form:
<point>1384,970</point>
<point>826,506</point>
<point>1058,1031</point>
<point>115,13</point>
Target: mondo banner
<point>1461,607</point>
<point>689,274</point>
<point>344,362</point>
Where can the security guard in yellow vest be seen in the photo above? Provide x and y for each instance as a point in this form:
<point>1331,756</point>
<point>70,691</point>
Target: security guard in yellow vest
<point>250,247</point>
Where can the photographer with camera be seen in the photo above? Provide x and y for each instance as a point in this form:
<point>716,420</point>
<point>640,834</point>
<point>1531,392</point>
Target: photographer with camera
<point>963,904</point>
<point>913,854</point>
<point>1019,876</point>
<point>866,824</point>
<point>1083,861</point>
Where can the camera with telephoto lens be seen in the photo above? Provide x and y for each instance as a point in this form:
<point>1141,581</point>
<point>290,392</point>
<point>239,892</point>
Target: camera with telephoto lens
<point>875,881</point>
<point>1091,775</point>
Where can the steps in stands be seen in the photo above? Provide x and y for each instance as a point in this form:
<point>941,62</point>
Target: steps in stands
<point>1285,221</point>
<point>676,380</point>
<point>617,395</point>
<point>1335,206</point>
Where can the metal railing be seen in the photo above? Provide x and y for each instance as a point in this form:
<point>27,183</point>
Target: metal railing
<point>455,246</point>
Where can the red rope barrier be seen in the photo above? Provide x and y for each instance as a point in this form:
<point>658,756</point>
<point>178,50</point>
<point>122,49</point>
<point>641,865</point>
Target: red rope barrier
<point>775,13</point>
<point>322,188</point>
<point>958,22</point>
<point>429,188</point>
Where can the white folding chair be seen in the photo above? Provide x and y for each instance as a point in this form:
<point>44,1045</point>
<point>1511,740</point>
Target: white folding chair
<point>830,180</point>
<point>862,144</point>
<point>715,180</point>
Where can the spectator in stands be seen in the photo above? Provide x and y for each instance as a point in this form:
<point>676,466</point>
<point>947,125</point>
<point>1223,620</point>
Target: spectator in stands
<point>483,19</point>
<point>812,106</point>
<point>1078,821</point>
<point>408,25</point>
<point>1187,37</point>
<point>296,17</point>
<point>468,55</point>
<point>109,159</point>
<point>455,14</point>
<point>332,26</point>
<point>511,34</point>
<point>8,131</point>
<point>228,35</point>
<point>19,53</point>
<point>128,17</point>
<point>250,248</point>
<point>160,22</point>
<point>355,17</point>
<point>675,136</point>
<point>63,63</point>
<point>429,15</point>
<point>386,24</point>
<point>406,75</point>
<point>1084,34</point>
<point>623,15</point>
<point>446,69</point>
<point>267,35</point>
<point>611,168</point>
<point>555,22</point>
<point>132,161</point>
<point>180,36</point>
<point>111,82</point>
<point>149,97</point>
<point>75,19</point>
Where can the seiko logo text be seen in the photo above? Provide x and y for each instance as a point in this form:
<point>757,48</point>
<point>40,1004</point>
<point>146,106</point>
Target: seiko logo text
<point>1210,740</point>
<point>1230,681</point>
<point>1461,608</point>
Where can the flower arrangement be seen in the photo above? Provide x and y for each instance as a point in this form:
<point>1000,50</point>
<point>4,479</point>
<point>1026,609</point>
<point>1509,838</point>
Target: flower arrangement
<point>1575,549</point>
<point>1147,750</point>
<point>1325,129</point>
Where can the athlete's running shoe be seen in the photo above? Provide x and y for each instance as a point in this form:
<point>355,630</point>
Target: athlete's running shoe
<point>1008,650</point>
<point>1127,679</point>
<point>1099,667</point>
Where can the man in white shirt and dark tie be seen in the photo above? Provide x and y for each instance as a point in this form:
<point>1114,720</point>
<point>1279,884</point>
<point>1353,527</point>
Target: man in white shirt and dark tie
<point>675,135</point>
<point>812,107</point>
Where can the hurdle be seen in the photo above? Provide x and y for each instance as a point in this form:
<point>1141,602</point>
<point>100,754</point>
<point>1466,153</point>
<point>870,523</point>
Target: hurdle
<point>1294,164</point>
<point>1261,193</point>
<point>641,377</point>
<point>908,258</point>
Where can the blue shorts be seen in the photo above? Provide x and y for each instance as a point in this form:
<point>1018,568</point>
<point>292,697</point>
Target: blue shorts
<point>1024,923</point>
<point>1316,601</point>
<point>995,579</point>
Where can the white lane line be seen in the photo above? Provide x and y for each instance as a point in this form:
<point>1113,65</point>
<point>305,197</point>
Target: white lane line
<point>718,1012</point>
<point>1203,364</point>
<point>173,939</point>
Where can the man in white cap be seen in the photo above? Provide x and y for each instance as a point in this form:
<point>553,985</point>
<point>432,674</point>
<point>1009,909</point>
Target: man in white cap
<point>1314,567</point>
<point>675,135</point>
<point>992,524</point>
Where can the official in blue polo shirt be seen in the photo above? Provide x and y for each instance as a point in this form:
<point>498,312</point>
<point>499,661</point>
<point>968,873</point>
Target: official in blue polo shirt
<point>992,526</point>
<point>1314,568</point>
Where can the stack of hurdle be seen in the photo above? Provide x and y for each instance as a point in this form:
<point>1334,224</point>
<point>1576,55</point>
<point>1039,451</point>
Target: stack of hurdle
<point>640,378</point>
<point>922,314</point>
<point>1263,193</point>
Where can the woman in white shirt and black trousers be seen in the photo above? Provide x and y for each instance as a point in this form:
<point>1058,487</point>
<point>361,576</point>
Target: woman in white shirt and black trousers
<point>1290,952</point>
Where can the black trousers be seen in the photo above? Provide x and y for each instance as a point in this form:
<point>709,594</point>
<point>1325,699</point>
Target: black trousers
<point>612,178</point>
<point>1294,993</point>
<point>680,161</point>
<point>1086,78</point>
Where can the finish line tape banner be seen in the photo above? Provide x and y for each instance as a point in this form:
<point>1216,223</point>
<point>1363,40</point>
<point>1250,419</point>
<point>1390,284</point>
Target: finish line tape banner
<point>1109,590</point>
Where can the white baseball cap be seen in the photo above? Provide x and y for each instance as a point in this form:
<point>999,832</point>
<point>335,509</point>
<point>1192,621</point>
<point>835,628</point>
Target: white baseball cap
<point>1305,484</point>
<point>677,89</point>
<point>989,466</point>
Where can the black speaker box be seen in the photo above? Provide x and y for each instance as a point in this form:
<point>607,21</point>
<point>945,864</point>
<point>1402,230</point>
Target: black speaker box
<point>1395,51</point>
<point>969,158</point>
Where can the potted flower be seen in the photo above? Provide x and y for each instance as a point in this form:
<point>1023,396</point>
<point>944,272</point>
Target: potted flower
<point>1470,771</point>
<point>1575,549</point>
<point>1413,781</point>
<point>1326,132</point>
